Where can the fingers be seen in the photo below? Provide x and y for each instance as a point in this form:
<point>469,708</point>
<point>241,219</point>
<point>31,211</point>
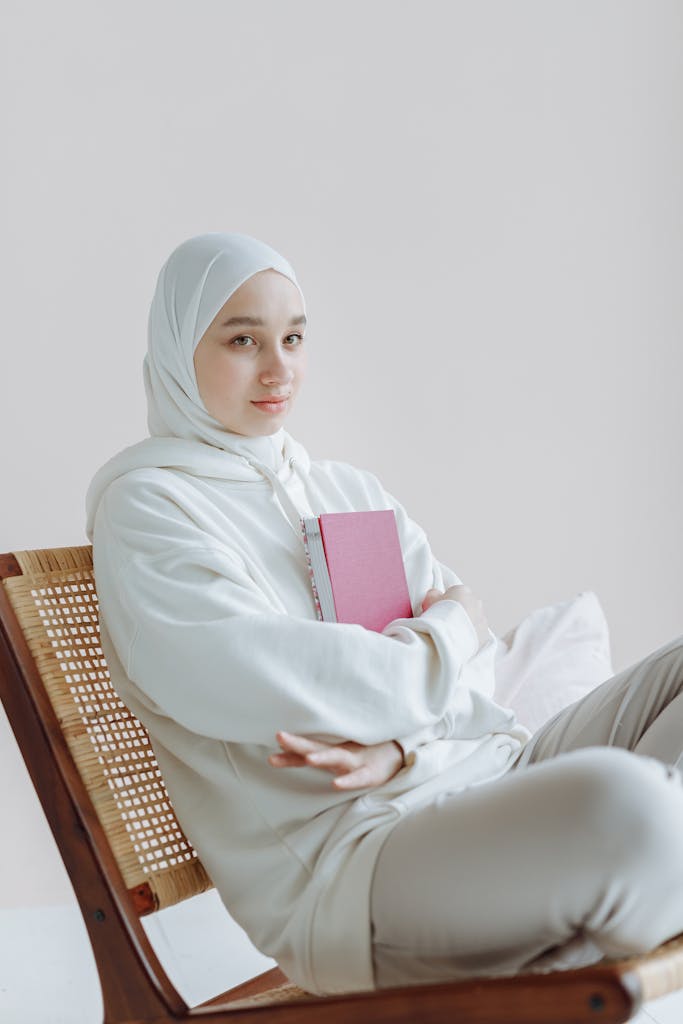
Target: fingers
<point>298,751</point>
<point>335,760</point>
<point>354,765</point>
<point>298,744</point>
<point>286,760</point>
<point>430,598</point>
<point>337,764</point>
<point>358,779</point>
<point>294,750</point>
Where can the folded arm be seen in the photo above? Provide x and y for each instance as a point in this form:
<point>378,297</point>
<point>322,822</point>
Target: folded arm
<point>207,649</point>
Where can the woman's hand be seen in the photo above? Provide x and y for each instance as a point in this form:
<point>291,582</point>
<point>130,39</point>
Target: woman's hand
<point>472,605</point>
<point>354,765</point>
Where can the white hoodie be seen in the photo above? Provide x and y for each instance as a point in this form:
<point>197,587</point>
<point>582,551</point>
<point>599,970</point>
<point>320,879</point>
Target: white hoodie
<point>211,636</point>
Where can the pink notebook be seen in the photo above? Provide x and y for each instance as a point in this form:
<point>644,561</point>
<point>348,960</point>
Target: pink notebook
<point>357,567</point>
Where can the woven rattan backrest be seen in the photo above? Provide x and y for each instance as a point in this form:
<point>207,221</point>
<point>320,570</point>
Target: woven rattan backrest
<point>55,601</point>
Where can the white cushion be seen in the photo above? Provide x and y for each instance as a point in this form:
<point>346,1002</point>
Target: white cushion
<point>554,656</point>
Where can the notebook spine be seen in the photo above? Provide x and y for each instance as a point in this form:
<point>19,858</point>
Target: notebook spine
<point>318,570</point>
<point>316,596</point>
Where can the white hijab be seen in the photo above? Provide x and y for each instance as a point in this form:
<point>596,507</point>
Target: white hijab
<point>194,283</point>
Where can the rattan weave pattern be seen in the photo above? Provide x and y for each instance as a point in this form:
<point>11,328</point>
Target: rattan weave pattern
<point>56,602</point>
<point>287,993</point>
<point>660,971</point>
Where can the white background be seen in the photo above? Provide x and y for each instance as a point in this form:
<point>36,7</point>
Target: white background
<point>483,204</point>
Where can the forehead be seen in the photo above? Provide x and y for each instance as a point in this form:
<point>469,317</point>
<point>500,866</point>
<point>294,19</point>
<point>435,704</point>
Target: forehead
<point>268,288</point>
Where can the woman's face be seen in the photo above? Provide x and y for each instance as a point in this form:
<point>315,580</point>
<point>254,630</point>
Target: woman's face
<point>253,353</point>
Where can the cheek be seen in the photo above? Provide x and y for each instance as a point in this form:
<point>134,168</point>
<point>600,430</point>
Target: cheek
<point>302,367</point>
<point>219,380</point>
<point>226,376</point>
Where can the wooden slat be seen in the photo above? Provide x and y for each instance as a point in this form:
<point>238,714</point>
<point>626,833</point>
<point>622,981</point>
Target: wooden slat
<point>9,566</point>
<point>562,997</point>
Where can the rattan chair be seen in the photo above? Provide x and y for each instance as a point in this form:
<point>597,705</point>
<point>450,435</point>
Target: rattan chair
<point>101,790</point>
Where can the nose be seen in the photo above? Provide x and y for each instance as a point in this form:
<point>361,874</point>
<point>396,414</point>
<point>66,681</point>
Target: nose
<point>277,369</point>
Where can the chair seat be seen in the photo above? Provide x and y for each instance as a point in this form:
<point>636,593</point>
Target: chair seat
<point>286,993</point>
<point>55,686</point>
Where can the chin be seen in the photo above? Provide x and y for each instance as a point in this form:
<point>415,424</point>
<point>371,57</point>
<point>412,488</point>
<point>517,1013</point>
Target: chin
<point>273,424</point>
<point>263,431</point>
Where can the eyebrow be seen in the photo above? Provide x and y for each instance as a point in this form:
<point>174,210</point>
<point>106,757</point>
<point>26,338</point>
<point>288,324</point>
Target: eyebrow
<point>255,321</point>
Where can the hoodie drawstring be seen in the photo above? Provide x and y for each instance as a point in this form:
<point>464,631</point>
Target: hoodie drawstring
<point>292,511</point>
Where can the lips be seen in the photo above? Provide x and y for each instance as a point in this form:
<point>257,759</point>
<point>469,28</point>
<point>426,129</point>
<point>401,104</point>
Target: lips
<point>272,404</point>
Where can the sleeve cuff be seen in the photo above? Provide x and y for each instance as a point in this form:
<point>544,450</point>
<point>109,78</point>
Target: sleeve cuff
<point>453,613</point>
<point>466,643</point>
<point>413,740</point>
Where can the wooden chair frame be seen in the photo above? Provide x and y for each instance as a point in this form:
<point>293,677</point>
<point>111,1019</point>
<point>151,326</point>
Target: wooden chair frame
<point>135,987</point>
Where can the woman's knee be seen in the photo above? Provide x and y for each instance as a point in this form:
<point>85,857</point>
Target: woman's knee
<point>630,804</point>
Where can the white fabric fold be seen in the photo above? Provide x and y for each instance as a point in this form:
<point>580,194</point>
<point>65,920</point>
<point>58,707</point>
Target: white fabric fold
<point>248,459</point>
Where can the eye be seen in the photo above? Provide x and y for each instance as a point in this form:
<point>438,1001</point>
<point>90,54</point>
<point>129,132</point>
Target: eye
<point>242,338</point>
<point>299,338</point>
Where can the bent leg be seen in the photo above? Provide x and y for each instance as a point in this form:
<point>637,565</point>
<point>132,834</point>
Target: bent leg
<point>638,709</point>
<point>588,845</point>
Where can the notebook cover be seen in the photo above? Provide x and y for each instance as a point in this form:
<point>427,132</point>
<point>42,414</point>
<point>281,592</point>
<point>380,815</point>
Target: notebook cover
<point>365,564</point>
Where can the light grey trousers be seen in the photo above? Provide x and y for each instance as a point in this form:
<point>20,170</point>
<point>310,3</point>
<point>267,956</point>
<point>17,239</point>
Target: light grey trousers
<point>574,854</point>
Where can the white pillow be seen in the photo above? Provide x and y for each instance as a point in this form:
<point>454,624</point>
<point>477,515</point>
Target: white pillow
<point>554,656</point>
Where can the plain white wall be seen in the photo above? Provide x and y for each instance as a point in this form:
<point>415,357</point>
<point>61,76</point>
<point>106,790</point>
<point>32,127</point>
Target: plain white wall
<point>483,204</point>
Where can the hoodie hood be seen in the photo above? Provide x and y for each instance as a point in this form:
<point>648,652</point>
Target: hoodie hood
<point>194,283</point>
<point>272,458</point>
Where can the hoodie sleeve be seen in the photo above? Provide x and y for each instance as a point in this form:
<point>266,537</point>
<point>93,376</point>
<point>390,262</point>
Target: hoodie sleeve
<point>200,641</point>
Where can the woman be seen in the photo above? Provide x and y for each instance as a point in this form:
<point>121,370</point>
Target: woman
<point>447,842</point>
